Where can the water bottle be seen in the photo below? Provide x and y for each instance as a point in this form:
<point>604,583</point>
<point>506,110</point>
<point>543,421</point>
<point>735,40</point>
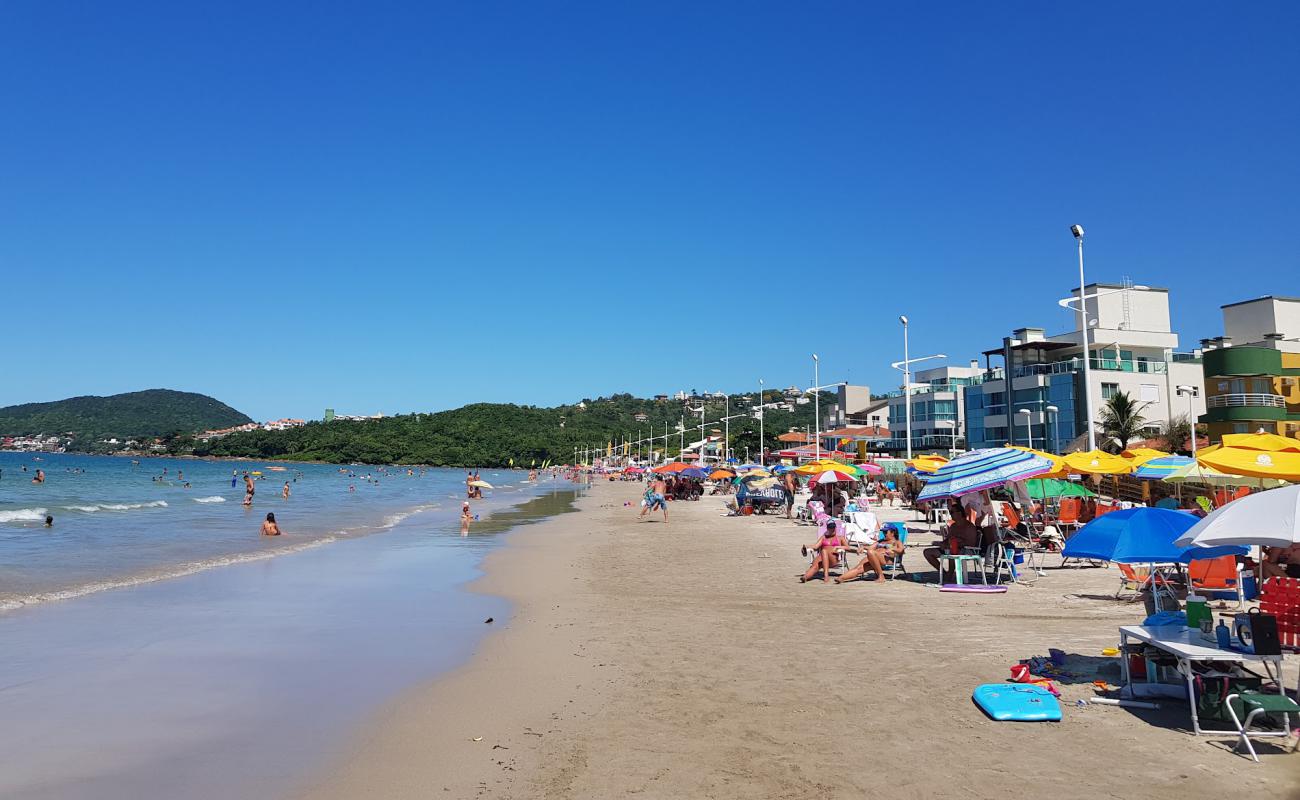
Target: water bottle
<point>1223,636</point>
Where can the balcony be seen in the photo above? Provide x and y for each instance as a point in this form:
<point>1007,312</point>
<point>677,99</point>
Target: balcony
<point>1102,364</point>
<point>1243,400</point>
<point>1244,406</point>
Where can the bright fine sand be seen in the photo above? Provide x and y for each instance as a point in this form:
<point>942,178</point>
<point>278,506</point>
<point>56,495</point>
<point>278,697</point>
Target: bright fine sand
<point>686,661</point>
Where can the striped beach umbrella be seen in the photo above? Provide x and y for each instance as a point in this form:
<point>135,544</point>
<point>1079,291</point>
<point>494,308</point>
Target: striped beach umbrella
<point>1160,468</point>
<point>983,469</point>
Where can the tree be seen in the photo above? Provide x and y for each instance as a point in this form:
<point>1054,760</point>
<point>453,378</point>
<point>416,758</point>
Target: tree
<point>1121,422</point>
<point>1175,433</point>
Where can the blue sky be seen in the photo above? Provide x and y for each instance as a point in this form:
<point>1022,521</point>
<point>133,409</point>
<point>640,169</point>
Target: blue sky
<point>410,206</point>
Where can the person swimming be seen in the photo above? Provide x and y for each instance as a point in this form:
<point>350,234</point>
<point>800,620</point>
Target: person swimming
<point>49,521</point>
<point>40,476</point>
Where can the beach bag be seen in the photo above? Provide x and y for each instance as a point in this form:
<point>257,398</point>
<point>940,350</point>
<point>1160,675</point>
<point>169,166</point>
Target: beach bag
<point>1212,692</point>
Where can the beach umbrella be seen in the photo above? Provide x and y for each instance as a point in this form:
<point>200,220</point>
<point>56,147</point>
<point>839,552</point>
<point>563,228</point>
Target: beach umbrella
<point>748,467</point>
<point>825,465</point>
<point>925,464</point>
<point>670,467</point>
<point>1096,462</point>
<point>692,472</point>
<point>1258,455</point>
<point>1160,468</point>
<point>1270,519</point>
<point>482,484</point>
<point>868,468</point>
<point>1040,488</point>
<point>1141,455</point>
<point>832,476</point>
<point>1140,536</point>
<point>982,469</point>
<point>721,474</point>
<point>1199,473</point>
<point>634,470</point>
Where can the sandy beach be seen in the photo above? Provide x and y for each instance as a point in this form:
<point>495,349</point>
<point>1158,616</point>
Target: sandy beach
<point>686,660</point>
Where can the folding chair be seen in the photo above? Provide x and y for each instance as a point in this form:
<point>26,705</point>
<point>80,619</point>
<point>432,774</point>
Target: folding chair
<point>1217,576</point>
<point>1253,704</point>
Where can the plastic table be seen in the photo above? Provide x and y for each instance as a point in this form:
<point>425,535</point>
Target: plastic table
<point>1187,646</point>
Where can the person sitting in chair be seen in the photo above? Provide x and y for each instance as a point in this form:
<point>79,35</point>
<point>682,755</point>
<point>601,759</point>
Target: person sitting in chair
<point>826,553</point>
<point>875,556</point>
<point>961,534</point>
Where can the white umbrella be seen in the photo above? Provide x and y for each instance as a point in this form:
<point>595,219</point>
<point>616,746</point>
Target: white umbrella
<point>1264,518</point>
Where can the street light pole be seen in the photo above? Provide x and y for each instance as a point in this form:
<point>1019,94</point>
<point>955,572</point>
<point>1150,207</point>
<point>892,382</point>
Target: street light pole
<point>1053,444</point>
<point>1077,230</point>
<point>1190,392</point>
<point>726,434</point>
<point>762,451</point>
<point>907,387</point>
<point>1029,430</point>
<point>817,410</point>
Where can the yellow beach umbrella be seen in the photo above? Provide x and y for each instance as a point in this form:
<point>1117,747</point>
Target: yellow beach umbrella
<point>1199,473</point>
<point>927,463</point>
<point>1058,464</point>
<point>1097,462</point>
<point>1258,455</point>
<point>826,465</point>
<point>1141,455</point>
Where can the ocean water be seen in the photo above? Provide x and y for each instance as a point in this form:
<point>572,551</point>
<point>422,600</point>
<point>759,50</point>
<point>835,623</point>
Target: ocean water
<point>156,650</point>
<point>118,522</point>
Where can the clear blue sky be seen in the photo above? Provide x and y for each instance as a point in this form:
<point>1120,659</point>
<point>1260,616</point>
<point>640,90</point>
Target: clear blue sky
<point>410,206</point>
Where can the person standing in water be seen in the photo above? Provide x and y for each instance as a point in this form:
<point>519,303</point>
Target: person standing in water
<point>466,517</point>
<point>270,527</point>
<point>285,493</point>
<point>40,476</point>
<point>249,490</point>
<point>234,478</point>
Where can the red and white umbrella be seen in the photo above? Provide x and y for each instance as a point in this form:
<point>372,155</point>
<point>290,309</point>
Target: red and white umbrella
<point>832,476</point>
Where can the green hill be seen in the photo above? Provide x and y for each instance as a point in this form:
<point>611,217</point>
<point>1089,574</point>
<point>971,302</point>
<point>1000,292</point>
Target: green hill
<point>492,434</point>
<point>154,412</point>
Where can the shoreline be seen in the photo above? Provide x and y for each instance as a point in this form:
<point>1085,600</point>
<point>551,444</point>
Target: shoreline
<point>684,660</point>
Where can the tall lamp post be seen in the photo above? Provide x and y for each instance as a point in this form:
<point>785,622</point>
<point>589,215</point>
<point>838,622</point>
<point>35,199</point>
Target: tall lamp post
<point>817,410</point>
<point>1077,230</point>
<point>906,366</point>
<point>762,451</point>
<point>1029,430</point>
<point>1189,392</point>
<point>1053,443</point>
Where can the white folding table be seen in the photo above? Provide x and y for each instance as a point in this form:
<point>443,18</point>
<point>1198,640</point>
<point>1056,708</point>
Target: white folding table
<point>1187,646</point>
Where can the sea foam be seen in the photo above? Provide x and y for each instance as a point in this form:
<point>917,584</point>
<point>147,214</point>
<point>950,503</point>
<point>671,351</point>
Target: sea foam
<point>216,498</point>
<point>23,515</point>
<point>91,509</point>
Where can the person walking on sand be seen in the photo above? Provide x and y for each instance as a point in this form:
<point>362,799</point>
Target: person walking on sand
<point>789,484</point>
<point>270,527</point>
<point>285,493</point>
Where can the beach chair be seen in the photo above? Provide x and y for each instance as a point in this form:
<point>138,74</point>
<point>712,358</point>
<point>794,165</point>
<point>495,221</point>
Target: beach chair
<point>1253,704</point>
<point>1067,516</point>
<point>1133,581</point>
<point>1217,577</point>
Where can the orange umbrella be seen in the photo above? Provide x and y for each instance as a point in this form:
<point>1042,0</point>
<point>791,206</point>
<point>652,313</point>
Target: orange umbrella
<point>673,467</point>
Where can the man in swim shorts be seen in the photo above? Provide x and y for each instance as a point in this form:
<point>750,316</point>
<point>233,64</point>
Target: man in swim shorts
<point>656,497</point>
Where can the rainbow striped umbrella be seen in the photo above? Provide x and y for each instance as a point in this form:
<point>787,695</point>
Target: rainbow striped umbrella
<point>1160,468</point>
<point>983,469</point>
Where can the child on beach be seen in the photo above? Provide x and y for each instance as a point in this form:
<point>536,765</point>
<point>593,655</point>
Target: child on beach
<point>827,553</point>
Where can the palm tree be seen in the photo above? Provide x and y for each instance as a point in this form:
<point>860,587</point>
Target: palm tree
<point>1175,433</point>
<point>1121,422</point>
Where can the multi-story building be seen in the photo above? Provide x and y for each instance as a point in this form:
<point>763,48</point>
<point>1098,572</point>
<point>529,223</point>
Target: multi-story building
<point>1036,397</point>
<point>937,397</point>
<point>1252,372</point>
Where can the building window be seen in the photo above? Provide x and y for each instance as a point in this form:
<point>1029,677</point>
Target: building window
<point>1109,390</point>
<point>1241,427</point>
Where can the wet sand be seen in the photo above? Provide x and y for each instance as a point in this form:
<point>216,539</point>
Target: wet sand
<point>685,660</point>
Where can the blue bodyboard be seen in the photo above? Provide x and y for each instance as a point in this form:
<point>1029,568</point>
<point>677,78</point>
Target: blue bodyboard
<point>1017,702</point>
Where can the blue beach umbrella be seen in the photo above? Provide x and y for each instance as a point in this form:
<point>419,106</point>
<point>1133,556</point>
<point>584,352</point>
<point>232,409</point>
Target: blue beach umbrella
<point>983,469</point>
<point>692,472</point>
<point>1140,536</point>
<point>1159,468</point>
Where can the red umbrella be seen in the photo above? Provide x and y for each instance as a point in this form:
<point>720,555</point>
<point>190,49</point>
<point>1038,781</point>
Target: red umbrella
<point>675,466</point>
<point>832,476</point>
